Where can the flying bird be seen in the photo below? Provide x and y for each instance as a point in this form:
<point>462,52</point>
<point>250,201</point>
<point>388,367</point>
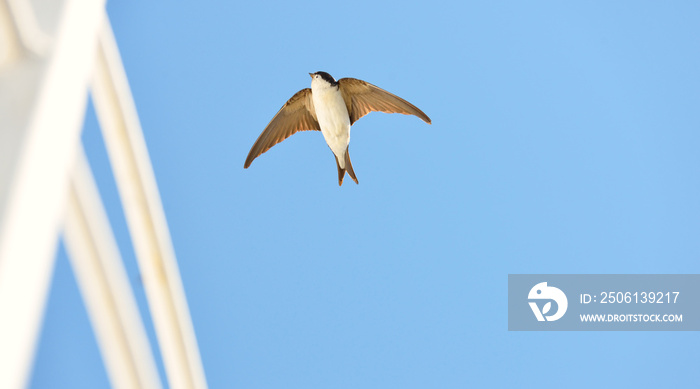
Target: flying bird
<point>331,107</point>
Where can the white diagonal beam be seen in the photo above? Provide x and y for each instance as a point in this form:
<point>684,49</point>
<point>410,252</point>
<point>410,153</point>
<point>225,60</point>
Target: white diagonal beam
<point>145,217</point>
<point>105,287</point>
<point>42,105</point>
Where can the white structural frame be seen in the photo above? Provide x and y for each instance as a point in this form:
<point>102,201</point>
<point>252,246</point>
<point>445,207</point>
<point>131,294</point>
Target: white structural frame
<point>51,53</point>
<point>104,284</point>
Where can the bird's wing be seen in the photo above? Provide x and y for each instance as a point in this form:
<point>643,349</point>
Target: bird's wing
<point>362,98</point>
<point>297,114</point>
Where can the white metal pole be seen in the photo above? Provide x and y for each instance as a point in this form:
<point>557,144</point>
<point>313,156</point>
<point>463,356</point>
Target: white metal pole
<point>42,103</point>
<point>105,286</point>
<point>145,217</point>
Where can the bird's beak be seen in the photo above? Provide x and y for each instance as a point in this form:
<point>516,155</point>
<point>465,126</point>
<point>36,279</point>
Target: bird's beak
<point>311,74</point>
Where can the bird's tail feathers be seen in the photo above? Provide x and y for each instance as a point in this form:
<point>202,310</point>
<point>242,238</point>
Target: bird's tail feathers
<point>341,172</point>
<point>348,168</point>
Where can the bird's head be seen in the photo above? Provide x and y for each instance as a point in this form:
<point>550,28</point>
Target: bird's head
<point>322,80</point>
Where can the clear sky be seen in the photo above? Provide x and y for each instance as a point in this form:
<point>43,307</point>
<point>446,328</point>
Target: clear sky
<point>565,139</point>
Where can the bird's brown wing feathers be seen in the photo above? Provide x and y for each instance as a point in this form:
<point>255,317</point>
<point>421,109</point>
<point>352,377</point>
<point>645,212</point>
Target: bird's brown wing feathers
<point>297,114</point>
<point>362,98</point>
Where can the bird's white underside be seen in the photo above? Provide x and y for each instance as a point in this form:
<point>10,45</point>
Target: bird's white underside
<point>332,116</point>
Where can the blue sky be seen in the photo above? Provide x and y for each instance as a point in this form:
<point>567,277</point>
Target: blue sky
<point>565,139</point>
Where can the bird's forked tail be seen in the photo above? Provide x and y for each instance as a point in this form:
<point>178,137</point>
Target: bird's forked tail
<point>348,168</point>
